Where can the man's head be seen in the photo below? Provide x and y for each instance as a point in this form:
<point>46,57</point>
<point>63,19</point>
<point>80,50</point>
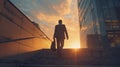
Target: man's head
<point>60,21</point>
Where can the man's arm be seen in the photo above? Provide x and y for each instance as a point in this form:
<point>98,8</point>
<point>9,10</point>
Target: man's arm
<point>54,33</point>
<point>66,32</point>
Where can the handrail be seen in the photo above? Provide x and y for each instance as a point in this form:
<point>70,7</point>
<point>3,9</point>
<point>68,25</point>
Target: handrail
<point>14,40</point>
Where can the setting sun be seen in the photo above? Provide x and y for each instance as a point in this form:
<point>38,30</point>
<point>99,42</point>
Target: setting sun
<point>76,46</point>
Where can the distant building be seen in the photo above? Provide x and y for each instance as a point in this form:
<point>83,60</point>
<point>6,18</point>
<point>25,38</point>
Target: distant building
<point>99,23</point>
<point>17,33</point>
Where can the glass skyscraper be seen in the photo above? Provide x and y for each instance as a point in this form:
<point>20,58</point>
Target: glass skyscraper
<point>99,23</point>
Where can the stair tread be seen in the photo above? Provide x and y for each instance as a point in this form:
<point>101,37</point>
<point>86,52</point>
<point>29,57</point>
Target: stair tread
<point>72,57</point>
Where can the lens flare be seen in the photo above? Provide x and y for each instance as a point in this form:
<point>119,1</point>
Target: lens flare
<point>75,45</point>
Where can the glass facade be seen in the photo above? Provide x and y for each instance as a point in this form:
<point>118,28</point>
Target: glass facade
<point>17,33</point>
<point>100,19</point>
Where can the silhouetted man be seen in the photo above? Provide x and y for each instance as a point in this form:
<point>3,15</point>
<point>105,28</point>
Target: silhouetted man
<point>59,34</point>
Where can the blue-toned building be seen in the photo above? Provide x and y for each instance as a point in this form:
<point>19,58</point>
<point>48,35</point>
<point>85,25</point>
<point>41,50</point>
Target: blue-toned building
<point>99,23</point>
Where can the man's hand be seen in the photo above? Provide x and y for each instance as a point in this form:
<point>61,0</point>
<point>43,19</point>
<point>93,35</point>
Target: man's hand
<point>67,38</point>
<point>53,38</point>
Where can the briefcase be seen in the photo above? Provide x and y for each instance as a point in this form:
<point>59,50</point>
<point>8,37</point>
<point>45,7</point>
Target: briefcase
<point>53,46</point>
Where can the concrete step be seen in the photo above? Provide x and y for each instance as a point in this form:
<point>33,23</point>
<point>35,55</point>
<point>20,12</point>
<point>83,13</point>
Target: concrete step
<point>68,57</point>
<point>73,57</point>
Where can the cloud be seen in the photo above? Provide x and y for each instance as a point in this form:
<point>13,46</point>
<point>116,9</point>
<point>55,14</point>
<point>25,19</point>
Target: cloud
<point>63,8</point>
<point>47,18</point>
<point>47,8</point>
<point>44,6</point>
<point>48,12</point>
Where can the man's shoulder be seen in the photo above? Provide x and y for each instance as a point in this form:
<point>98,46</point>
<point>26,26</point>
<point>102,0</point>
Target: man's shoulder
<point>56,25</point>
<point>62,25</point>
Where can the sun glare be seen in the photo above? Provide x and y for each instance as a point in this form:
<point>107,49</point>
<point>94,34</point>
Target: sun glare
<point>75,46</point>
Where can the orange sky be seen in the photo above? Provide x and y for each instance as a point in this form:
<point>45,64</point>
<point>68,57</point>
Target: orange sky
<point>68,13</point>
<point>47,13</point>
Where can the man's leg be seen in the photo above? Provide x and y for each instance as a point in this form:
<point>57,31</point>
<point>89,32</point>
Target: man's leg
<point>62,43</point>
<point>58,45</point>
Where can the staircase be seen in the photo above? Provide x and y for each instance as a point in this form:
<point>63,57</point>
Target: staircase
<point>68,57</point>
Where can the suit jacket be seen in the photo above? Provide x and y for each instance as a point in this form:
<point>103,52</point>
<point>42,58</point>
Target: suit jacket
<point>60,31</point>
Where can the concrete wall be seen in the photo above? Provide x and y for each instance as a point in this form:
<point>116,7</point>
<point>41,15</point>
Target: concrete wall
<point>17,33</point>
